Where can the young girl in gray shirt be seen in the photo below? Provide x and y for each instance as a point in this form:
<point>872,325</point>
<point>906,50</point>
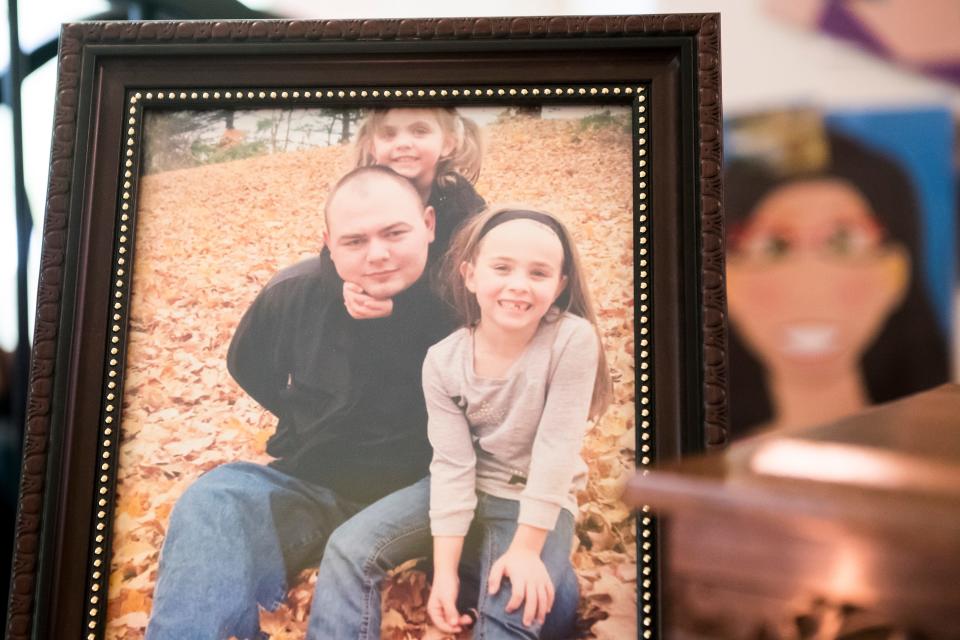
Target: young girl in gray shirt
<point>508,397</point>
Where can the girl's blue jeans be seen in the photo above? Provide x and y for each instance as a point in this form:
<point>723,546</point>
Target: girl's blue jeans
<point>346,603</point>
<point>242,530</point>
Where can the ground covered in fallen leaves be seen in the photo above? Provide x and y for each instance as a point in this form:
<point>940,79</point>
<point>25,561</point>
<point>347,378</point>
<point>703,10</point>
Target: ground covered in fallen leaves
<point>207,240</point>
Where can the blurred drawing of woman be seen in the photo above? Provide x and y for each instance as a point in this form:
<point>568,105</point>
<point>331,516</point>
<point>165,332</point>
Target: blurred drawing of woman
<point>828,309</point>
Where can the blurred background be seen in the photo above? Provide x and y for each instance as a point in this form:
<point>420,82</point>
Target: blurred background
<point>842,158</point>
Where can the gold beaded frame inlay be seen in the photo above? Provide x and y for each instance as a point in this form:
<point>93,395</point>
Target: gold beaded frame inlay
<point>137,101</point>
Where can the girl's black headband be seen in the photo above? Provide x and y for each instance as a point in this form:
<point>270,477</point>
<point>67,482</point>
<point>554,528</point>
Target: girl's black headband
<point>524,214</point>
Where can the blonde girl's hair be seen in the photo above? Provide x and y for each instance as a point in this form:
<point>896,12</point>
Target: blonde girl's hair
<point>467,154</point>
<point>575,297</point>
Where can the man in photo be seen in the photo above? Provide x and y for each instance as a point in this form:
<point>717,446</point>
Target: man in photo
<point>348,397</point>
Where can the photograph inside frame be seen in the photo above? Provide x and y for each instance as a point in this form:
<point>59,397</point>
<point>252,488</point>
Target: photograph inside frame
<point>310,405</point>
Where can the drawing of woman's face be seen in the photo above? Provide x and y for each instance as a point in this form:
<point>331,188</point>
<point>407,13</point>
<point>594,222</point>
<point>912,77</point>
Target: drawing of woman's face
<point>812,277</point>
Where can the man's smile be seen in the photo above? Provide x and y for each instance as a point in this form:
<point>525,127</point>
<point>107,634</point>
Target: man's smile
<point>380,274</point>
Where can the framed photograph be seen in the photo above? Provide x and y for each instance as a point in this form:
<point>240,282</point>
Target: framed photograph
<point>310,344</point>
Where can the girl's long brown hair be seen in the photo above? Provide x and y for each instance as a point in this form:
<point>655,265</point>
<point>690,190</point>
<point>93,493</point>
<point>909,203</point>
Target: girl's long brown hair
<point>465,159</point>
<point>574,298</point>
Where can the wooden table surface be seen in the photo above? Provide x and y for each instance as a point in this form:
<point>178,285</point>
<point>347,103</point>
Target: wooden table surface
<point>850,529</point>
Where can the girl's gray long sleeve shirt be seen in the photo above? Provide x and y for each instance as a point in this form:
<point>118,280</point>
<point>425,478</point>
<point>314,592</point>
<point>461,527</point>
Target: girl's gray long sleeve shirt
<point>517,437</point>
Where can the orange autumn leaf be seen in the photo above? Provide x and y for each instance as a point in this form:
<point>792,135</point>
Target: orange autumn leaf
<point>163,511</point>
<point>134,504</point>
<point>134,601</point>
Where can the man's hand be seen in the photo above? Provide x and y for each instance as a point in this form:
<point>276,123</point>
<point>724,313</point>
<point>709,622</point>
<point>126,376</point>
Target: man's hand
<point>361,306</point>
<point>442,605</point>
<point>529,580</point>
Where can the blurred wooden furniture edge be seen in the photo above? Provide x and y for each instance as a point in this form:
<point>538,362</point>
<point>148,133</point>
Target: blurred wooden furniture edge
<point>823,532</point>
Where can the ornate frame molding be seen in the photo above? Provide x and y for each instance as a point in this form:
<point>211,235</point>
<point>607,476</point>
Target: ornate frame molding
<point>78,41</point>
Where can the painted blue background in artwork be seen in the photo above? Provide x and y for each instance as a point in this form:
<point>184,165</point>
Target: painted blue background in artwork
<point>921,141</point>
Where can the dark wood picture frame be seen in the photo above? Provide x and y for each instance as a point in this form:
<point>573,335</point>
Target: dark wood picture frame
<point>673,59</point>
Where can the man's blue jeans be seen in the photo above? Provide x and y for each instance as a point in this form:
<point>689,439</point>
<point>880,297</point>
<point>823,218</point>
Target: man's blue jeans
<point>242,530</point>
<point>346,603</point>
<point>235,537</point>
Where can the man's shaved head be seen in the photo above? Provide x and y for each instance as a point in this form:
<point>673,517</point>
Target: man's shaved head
<point>378,231</point>
<point>363,181</point>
